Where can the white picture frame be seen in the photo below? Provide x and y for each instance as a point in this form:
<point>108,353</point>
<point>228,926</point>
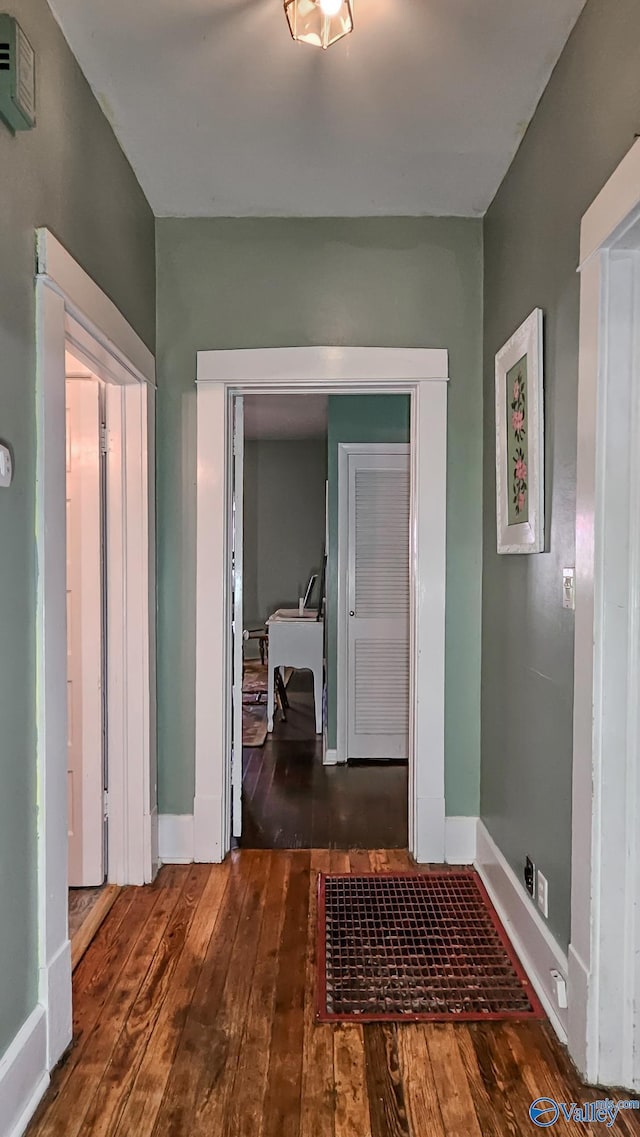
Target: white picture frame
<point>520,440</point>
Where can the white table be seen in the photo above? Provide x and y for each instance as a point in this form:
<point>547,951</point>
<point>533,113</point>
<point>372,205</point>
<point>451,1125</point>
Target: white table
<point>296,641</point>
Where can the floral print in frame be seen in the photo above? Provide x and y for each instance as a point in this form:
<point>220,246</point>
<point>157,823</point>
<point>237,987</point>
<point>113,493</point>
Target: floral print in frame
<point>517,443</point>
<point>520,440</point>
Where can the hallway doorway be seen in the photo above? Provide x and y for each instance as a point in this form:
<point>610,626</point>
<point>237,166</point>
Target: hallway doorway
<point>222,375</point>
<point>313,547</point>
<point>79,328</point>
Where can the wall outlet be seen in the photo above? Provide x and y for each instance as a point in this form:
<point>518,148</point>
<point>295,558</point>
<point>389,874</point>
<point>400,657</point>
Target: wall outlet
<point>529,876</point>
<point>559,984</point>
<point>543,894</point>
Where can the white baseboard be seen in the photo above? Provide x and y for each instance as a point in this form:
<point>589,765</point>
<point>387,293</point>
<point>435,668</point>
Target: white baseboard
<point>330,757</point>
<point>154,843</point>
<point>584,1056</point>
<point>175,838</point>
<point>538,951</point>
<point>209,826</point>
<point>429,830</point>
<point>460,840</point>
<point>23,1074</point>
<point>55,996</point>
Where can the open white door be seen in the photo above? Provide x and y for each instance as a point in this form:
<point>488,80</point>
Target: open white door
<point>376,533</point>
<point>238,521</point>
<point>85,748</point>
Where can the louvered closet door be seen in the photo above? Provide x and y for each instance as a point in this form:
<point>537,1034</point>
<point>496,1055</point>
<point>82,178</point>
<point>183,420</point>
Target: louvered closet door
<point>378,606</point>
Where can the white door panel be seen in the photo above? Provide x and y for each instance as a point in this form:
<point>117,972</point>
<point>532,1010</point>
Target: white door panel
<point>85,777</point>
<point>378,605</point>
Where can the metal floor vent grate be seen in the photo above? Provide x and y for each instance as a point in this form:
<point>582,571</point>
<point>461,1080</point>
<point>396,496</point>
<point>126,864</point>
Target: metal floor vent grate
<point>415,946</point>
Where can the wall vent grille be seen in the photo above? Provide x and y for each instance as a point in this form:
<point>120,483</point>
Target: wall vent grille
<point>17,76</point>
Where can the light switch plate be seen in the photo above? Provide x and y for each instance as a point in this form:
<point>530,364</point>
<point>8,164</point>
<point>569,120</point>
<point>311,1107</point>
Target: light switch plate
<point>6,466</point>
<point>569,588</point>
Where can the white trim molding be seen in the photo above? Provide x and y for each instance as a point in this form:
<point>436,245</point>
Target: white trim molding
<point>176,835</point>
<point>536,948</point>
<point>175,838</point>
<point>604,954</point>
<point>93,310</point>
<point>420,372</point>
<point>461,838</point>
<point>614,209</point>
<point>71,308</point>
<point>24,1075</point>
<point>288,367</point>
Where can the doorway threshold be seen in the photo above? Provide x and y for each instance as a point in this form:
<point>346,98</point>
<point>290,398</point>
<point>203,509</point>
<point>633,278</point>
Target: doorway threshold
<point>86,914</point>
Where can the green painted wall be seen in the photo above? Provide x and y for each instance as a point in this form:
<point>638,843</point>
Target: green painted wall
<point>69,175</point>
<point>353,418</point>
<point>271,282</point>
<point>583,126</point>
<point>284,521</point>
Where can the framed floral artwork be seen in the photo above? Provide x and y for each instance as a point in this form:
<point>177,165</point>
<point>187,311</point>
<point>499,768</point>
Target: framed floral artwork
<point>520,440</point>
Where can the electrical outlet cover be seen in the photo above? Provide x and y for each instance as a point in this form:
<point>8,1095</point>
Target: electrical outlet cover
<point>530,876</point>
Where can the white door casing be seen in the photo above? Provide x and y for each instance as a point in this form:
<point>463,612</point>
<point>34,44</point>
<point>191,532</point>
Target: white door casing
<point>423,373</point>
<point>604,953</point>
<point>374,570</point>
<point>85,769</point>
<point>237,544</point>
<point>71,308</point>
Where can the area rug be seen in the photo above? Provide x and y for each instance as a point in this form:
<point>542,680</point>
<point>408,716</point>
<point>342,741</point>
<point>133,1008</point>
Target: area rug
<point>429,946</point>
<point>254,702</point>
<point>254,724</point>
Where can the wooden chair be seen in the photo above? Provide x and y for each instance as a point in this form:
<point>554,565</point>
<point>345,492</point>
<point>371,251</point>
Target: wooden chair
<point>262,636</point>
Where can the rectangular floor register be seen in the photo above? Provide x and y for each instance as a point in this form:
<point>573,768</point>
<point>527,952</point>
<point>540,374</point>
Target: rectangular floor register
<point>415,946</point>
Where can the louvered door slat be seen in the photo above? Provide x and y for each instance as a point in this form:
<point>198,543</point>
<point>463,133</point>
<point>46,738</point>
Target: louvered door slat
<point>381,559</point>
<point>381,687</point>
<point>379,600</point>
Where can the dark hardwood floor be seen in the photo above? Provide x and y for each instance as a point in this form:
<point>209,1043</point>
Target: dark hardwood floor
<point>193,1017</point>
<point>291,801</point>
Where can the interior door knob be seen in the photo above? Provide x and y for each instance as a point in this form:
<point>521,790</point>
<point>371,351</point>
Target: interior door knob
<point>352,613</point>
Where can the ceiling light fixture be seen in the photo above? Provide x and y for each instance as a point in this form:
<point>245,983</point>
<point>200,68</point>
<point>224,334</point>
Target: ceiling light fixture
<point>319,22</point>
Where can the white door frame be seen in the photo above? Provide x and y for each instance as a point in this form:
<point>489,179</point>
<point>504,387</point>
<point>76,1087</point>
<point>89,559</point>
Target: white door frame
<point>342,606</point>
<point>72,310</point>
<point>421,372</point>
<point>238,604</point>
<point>604,954</point>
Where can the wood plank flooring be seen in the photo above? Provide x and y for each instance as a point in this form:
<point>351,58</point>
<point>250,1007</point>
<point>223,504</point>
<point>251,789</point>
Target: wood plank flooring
<point>193,1016</point>
<point>291,801</point>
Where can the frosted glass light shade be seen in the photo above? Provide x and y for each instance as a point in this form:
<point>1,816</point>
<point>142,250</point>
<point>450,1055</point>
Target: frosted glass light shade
<point>310,23</point>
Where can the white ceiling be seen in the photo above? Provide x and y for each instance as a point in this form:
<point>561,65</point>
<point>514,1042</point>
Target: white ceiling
<point>285,416</point>
<point>419,111</point>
